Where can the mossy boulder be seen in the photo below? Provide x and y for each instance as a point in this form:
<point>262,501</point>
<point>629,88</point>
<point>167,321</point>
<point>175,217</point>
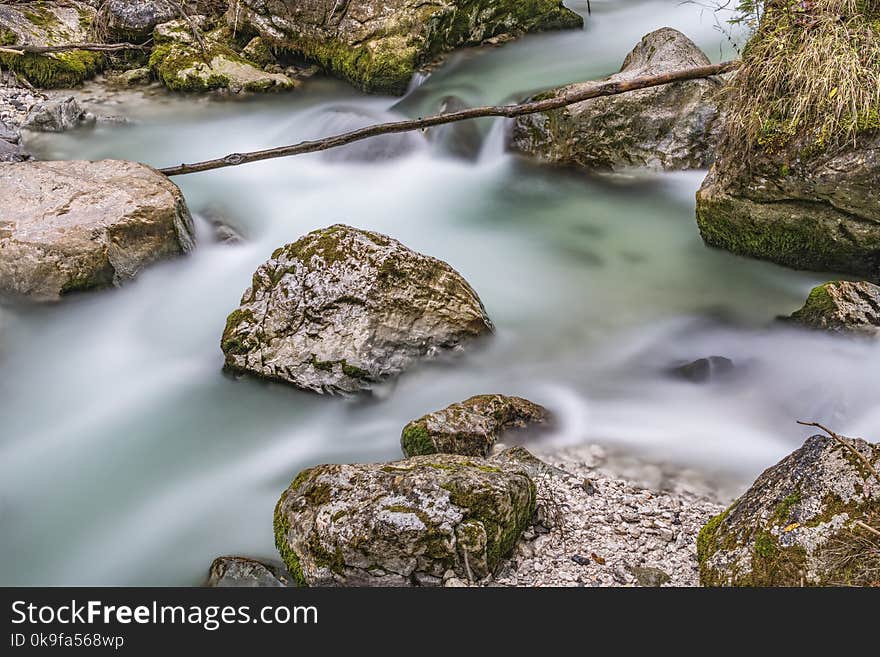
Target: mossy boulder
<point>49,24</point>
<point>70,226</point>
<point>342,309</point>
<point>673,126</point>
<point>471,427</point>
<point>842,307</point>
<point>795,178</point>
<point>181,65</point>
<point>242,572</point>
<point>377,46</point>
<point>404,523</point>
<point>798,523</point>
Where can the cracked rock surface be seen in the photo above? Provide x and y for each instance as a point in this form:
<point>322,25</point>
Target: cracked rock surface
<point>842,307</point>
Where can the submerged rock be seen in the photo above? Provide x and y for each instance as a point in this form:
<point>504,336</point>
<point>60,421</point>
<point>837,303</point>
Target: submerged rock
<point>70,225</point>
<point>471,427</point>
<point>241,572</point>
<point>57,115</point>
<point>842,307</point>
<point>705,369</point>
<point>378,46</point>
<point>403,523</point>
<point>181,65</point>
<point>673,126</point>
<point>797,524</point>
<point>461,139</point>
<point>343,308</point>
<point>49,24</point>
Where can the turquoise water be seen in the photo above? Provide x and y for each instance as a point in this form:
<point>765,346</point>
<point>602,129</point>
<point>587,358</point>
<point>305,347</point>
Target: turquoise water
<point>127,457</point>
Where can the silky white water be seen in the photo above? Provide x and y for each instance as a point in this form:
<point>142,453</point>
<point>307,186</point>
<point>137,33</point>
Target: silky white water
<point>127,457</point>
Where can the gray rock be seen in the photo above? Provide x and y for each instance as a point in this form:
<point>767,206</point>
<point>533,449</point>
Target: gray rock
<point>842,307</point>
<point>673,126</point>
<point>134,20</point>
<point>8,133</point>
<point>403,523</point>
<point>379,45</point>
<point>530,463</point>
<point>241,572</point>
<point>11,152</point>
<point>703,370</point>
<point>343,308</point>
<point>133,77</point>
<point>470,427</point>
<point>649,576</point>
<point>797,524</point>
<point>70,225</point>
<point>57,115</point>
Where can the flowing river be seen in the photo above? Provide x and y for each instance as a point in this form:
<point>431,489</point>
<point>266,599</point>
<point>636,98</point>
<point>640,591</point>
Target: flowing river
<point>128,458</point>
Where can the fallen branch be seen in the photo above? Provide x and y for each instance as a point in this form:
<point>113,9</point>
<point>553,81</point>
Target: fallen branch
<point>606,88</point>
<point>864,525</point>
<point>846,444</point>
<point>91,47</point>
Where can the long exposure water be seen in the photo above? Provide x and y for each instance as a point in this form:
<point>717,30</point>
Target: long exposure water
<point>127,457</point>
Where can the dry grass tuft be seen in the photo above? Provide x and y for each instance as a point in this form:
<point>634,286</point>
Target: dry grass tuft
<point>810,77</point>
<point>856,554</point>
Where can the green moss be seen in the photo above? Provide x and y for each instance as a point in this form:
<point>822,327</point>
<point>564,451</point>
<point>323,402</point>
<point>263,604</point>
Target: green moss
<point>415,439</point>
<point>782,512</point>
<point>66,69</point>
<point>765,545</point>
<point>282,528</point>
<point>233,341</point>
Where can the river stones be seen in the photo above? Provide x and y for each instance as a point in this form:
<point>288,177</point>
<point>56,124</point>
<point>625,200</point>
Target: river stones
<point>342,308</point>
<point>471,427</point>
<point>49,24</point>
<point>842,307</point>
<point>377,46</point>
<point>797,524</point>
<point>403,523</point>
<point>673,126</point>
<point>71,225</point>
<point>242,572</point>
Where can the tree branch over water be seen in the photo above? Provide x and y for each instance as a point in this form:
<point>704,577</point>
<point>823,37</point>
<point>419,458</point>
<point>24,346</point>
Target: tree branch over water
<point>596,90</point>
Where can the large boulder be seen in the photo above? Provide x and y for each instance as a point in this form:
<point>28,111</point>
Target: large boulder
<point>49,24</point>
<point>378,46</point>
<point>799,522</point>
<point>179,62</point>
<point>471,427</point>
<point>795,177</point>
<point>343,308</point>
<point>842,307</point>
<point>57,115</point>
<point>242,572</point>
<point>403,523</point>
<point>673,126</point>
<point>71,225</point>
<point>134,20</point>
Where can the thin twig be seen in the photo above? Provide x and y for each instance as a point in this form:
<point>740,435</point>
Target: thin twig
<point>846,444</point>
<point>606,88</point>
<point>864,525</point>
<point>91,47</point>
<point>197,35</point>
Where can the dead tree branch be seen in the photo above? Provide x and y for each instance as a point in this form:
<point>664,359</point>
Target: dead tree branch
<point>845,442</point>
<point>605,88</point>
<point>24,49</point>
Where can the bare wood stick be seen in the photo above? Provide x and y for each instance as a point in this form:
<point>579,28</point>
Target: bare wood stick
<point>846,444</point>
<point>92,47</point>
<point>197,35</point>
<point>864,525</point>
<point>606,88</point>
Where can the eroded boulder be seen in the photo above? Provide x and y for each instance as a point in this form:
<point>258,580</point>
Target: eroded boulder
<point>134,20</point>
<point>71,225</point>
<point>377,46</point>
<point>242,572</point>
<point>673,126</point>
<point>798,523</point>
<point>403,523</point>
<point>343,308</point>
<point>471,427</point>
<point>842,307</point>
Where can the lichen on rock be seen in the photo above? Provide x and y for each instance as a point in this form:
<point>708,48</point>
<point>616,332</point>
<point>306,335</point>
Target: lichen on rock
<point>404,523</point>
<point>378,46</point>
<point>471,427</point>
<point>797,524</point>
<point>851,307</point>
<point>342,309</point>
<point>673,126</point>
<point>243,572</point>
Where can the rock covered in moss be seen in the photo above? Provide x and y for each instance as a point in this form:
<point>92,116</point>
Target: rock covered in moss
<point>842,307</point>
<point>673,126</point>
<point>471,427</point>
<point>179,62</point>
<point>242,572</point>
<point>49,24</point>
<point>134,20</point>
<point>57,115</point>
<point>70,225</point>
<point>796,525</point>
<point>343,308</point>
<point>378,46</point>
<point>403,523</point>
